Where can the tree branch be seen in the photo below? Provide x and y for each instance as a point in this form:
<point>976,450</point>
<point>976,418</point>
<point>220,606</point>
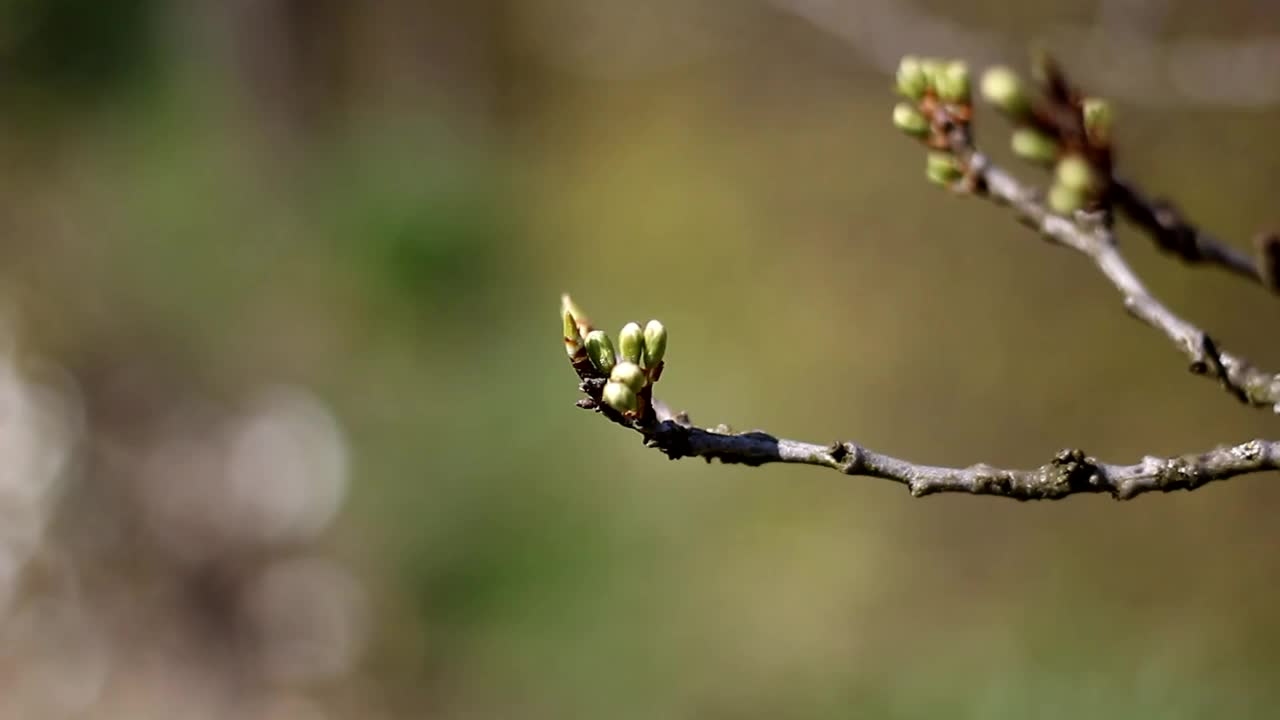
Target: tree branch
<point>1078,214</point>
<point>1060,113</point>
<point>1173,233</point>
<point>1092,237</point>
<point>1070,472</point>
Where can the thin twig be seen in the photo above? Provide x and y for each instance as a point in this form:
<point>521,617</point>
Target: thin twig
<point>1173,233</point>
<point>1094,239</point>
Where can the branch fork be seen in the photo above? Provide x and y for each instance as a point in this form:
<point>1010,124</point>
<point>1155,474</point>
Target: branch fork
<point>1061,128</point>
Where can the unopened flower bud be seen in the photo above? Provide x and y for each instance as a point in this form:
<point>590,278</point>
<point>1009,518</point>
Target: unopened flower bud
<point>953,82</point>
<point>943,168</point>
<point>910,120</point>
<point>1098,119</point>
<point>600,350</point>
<point>655,344</point>
<point>572,338</point>
<point>1074,172</point>
<point>1032,145</point>
<point>1003,88</point>
<point>567,305</point>
<point>620,398</point>
<point>932,68</point>
<point>1065,200</point>
<point>628,374</point>
<point>911,80</point>
<point>631,343</point>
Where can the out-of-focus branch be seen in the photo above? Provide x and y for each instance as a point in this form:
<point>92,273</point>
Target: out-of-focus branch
<point>1173,233</point>
<point>1079,127</point>
<point>1072,133</point>
<point>1132,57</point>
<point>1094,239</point>
<point>1090,234</point>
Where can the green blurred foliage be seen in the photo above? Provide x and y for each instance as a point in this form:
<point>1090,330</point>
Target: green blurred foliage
<point>77,50</point>
<point>424,216</point>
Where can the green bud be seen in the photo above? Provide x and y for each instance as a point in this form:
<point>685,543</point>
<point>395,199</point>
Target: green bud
<point>1065,200</point>
<point>953,82</point>
<point>631,343</point>
<point>600,350</point>
<point>1003,88</point>
<point>572,338</point>
<point>628,374</point>
<point>1098,119</point>
<point>932,68</point>
<point>911,80</point>
<point>910,120</point>
<point>655,344</point>
<point>567,305</point>
<point>620,398</point>
<point>942,168</point>
<point>1032,145</point>
<point>1074,172</point>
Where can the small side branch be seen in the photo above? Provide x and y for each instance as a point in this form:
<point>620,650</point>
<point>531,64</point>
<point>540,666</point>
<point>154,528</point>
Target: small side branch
<point>1174,234</point>
<point>1084,224</point>
<point>1093,238</point>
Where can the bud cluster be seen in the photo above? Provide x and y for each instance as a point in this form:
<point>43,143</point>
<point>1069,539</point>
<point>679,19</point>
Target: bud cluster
<point>946,80</point>
<point>1058,128</point>
<point>632,366</point>
<point>1070,134</point>
<point>937,95</point>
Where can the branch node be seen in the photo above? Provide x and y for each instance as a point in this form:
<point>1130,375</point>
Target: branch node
<point>1076,472</point>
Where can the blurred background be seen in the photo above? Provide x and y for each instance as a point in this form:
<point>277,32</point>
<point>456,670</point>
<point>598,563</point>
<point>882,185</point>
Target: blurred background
<point>287,432</point>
